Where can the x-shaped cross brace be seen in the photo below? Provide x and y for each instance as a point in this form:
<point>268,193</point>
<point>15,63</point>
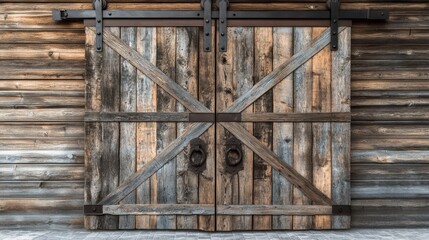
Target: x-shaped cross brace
<point>197,129</point>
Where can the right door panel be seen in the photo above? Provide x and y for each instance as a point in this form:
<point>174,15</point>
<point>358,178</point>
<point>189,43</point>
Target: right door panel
<point>287,163</point>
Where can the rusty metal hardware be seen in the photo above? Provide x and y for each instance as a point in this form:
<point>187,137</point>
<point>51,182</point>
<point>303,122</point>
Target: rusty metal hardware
<point>222,14</point>
<point>223,24</point>
<point>99,6</point>
<point>93,210</point>
<point>335,8</point>
<point>228,117</point>
<point>341,210</point>
<point>214,117</point>
<point>207,7</point>
<point>197,153</point>
<point>233,152</point>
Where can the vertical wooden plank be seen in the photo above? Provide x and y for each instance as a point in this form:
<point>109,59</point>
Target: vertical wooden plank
<point>262,172</point>
<point>94,62</point>
<point>127,148</point>
<point>282,132</point>
<point>187,77</point>
<point>302,131</point>
<point>322,131</point>
<point>146,132</point>
<point>110,102</point>
<point>224,98</point>
<point>341,131</point>
<point>166,132</point>
<point>243,65</point>
<point>206,94</point>
<point>234,78</point>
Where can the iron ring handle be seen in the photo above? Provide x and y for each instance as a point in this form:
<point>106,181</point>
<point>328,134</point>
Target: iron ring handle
<point>197,161</point>
<point>233,156</point>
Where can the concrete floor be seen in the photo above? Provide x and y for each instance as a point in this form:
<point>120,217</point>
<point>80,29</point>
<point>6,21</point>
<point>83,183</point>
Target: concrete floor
<point>77,234</point>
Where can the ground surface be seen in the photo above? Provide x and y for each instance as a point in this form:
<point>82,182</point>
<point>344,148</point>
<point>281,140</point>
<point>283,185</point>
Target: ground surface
<point>367,234</point>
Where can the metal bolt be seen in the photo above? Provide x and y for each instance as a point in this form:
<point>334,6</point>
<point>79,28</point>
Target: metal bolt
<point>207,48</point>
<point>222,21</point>
<point>222,48</point>
<point>334,33</point>
<point>382,13</point>
<point>222,34</point>
<point>99,33</point>
<point>98,48</point>
<point>207,21</point>
<point>110,14</point>
<point>66,14</point>
<point>207,34</point>
<point>335,20</point>
<point>334,46</point>
<point>99,21</point>
<point>94,209</point>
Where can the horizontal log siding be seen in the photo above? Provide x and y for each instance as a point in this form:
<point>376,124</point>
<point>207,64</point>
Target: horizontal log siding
<point>42,109</point>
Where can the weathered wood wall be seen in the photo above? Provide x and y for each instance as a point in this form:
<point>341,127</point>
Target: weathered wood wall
<point>42,105</point>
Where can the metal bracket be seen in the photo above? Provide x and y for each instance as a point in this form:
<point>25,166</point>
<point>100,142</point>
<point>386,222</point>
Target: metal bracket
<point>207,7</point>
<point>335,14</point>
<point>341,210</point>
<point>93,210</point>
<point>99,6</point>
<point>223,24</point>
<point>228,117</point>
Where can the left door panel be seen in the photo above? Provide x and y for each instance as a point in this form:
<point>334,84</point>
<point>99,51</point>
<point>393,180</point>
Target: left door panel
<point>122,140</point>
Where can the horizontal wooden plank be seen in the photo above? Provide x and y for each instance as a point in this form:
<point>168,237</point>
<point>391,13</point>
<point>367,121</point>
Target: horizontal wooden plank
<point>35,20</point>
<point>42,36</point>
<point>35,69</point>
<point>393,131</point>
<point>41,219</point>
<point>11,131</point>
<point>159,209</point>
<point>390,75</point>
<point>42,85</point>
<point>390,213</point>
<point>390,156</point>
<point>31,99</point>
<point>386,52</point>
<point>389,65</point>
<point>382,189</point>
<point>390,172</point>
<point>42,51</point>
<point>390,85</point>
<point>274,209</point>
<point>37,204</point>
<point>41,172</point>
<point>136,117</point>
<point>390,144</point>
<point>43,115</point>
<point>42,189</point>
<point>41,144</point>
<point>395,113</point>
<point>41,156</point>
<point>296,117</point>
<point>407,36</point>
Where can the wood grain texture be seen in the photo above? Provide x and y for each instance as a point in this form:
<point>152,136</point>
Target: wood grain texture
<point>282,132</point>
<point>341,131</point>
<point>302,132</point>
<point>110,101</point>
<point>166,132</point>
<point>262,173</point>
<point>187,77</point>
<point>321,102</point>
<point>127,138</point>
<point>146,132</point>
<point>206,95</point>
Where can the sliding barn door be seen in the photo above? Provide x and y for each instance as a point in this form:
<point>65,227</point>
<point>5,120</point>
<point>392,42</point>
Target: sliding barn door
<point>256,137</point>
<point>286,166</point>
<point>147,167</point>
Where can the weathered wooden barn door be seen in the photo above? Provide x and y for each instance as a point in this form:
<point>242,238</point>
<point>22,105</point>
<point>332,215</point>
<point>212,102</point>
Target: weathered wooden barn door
<point>286,166</point>
<point>238,126</point>
<point>147,167</point>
